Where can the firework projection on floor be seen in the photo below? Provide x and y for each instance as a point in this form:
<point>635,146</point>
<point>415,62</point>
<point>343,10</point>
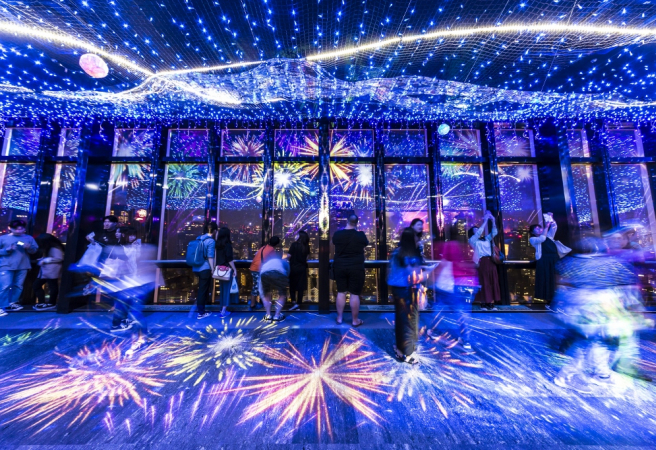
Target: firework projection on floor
<point>78,386</point>
<point>208,354</point>
<point>294,143</point>
<point>12,340</point>
<point>243,143</point>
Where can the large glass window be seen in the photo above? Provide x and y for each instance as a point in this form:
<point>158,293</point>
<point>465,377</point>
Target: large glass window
<point>352,143</point>
<point>518,143</point>
<point>624,143</point>
<point>297,143</point>
<point>585,209</point>
<point>404,142</point>
<point>461,142</point>
<point>62,185</point>
<point>577,142</point>
<point>520,207</point>
<point>243,143</point>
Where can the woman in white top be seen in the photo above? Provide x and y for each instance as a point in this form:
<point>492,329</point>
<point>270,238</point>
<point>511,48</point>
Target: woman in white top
<point>547,254</point>
<point>487,271</point>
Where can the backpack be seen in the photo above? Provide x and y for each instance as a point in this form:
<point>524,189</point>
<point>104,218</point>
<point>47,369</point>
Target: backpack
<point>196,253</point>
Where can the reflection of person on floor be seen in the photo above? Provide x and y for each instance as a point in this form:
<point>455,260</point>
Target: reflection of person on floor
<point>348,268</point>
<point>274,277</point>
<point>487,270</point>
<point>547,253</point>
<point>404,276</point>
<point>592,309</point>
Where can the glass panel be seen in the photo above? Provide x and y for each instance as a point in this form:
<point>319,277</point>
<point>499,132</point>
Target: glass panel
<point>577,142</point>
<point>22,142</point>
<point>463,200</point>
<point>243,143</point>
<point>128,194</point>
<point>62,200</point>
<point>634,205</point>
<point>185,191</point>
<point>296,203</point>
<point>624,144</point>
<point>352,143</point>
<point>514,142</point>
<point>521,207</point>
<point>292,143</point>
<point>585,200</point>
<point>69,142</point>
<point>240,206</point>
<point>16,186</point>
<point>134,143</point>
<point>352,191</point>
<point>461,143</point>
<point>188,144</point>
<point>406,199</point>
<point>404,142</point>
<point>521,285</point>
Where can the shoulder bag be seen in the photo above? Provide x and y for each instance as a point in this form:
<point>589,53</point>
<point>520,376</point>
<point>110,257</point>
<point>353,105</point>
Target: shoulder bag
<point>497,255</point>
<point>222,273</point>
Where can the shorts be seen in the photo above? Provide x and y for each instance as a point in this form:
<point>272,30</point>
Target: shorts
<point>255,290</point>
<point>273,281</point>
<point>349,279</point>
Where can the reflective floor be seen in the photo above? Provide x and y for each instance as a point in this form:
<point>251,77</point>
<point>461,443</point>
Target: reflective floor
<point>306,383</point>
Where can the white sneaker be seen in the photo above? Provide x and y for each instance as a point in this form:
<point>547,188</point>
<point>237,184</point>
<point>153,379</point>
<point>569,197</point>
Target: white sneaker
<point>44,307</point>
<point>3,313</point>
<point>13,307</point>
<point>294,307</point>
<point>465,345</point>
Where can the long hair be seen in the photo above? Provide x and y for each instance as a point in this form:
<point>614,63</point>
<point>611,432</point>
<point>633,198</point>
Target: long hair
<point>223,238</point>
<point>47,241</point>
<point>304,240</point>
<point>407,247</point>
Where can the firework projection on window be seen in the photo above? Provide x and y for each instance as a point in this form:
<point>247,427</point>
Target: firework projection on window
<point>22,142</point>
<point>404,142</point>
<point>514,142</point>
<point>407,199</point>
<point>297,143</point>
<point>463,199</point>
<point>634,204</point>
<point>243,143</point>
<point>520,207</point>
<point>134,143</point>
<point>577,142</point>
<point>461,143</point>
<point>585,200</point>
<point>189,144</point>
<point>624,144</point>
<point>352,143</point>
<point>296,202</point>
<point>17,184</point>
<point>62,200</point>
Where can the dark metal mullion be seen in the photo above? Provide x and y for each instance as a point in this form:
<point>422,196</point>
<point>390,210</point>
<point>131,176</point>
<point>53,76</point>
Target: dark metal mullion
<point>212,201</point>
<point>324,238</point>
<point>267,194</point>
<point>381,231</point>
<point>436,206</point>
<point>154,163</point>
<point>569,191</point>
<point>603,149</point>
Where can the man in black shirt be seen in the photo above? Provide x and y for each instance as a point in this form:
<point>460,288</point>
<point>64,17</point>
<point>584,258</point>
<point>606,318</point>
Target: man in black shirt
<point>348,268</point>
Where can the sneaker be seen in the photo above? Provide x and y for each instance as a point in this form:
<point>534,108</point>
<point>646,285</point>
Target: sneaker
<point>3,313</point>
<point>492,308</point>
<point>267,318</point>
<point>44,307</point>
<point>123,326</point>
<point>575,383</point>
<point>88,289</point>
<point>224,314</point>
<point>13,307</point>
<point>281,318</point>
<point>465,345</point>
<point>202,316</point>
<point>294,307</point>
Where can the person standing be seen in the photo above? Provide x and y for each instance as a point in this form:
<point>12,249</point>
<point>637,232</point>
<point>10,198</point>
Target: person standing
<point>15,249</point>
<point>274,277</point>
<point>417,226</point>
<point>204,271</point>
<point>488,277</point>
<point>260,256</point>
<point>348,268</point>
<point>49,272</point>
<point>225,257</point>
<point>298,269</point>
<point>547,254</point>
<point>404,276</point>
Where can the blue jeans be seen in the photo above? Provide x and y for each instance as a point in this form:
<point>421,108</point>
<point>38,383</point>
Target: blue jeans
<point>224,292</point>
<point>11,286</point>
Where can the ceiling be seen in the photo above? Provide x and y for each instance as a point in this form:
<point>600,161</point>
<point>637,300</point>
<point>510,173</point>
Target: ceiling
<point>489,71</point>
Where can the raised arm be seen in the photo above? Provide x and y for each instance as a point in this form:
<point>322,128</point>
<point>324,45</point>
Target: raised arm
<point>494,231</point>
<point>551,230</point>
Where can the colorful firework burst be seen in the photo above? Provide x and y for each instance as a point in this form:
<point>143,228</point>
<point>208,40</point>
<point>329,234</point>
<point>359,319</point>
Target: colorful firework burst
<point>352,181</point>
<point>244,144</point>
<point>347,370</point>
<point>242,178</point>
<point>79,385</point>
<point>27,336</point>
<point>352,144</point>
<point>184,180</point>
<point>292,183</point>
<point>297,143</point>
<point>211,349</point>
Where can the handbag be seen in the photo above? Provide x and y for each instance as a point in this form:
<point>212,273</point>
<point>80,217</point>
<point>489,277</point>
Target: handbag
<point>91,255</point>
<point>234,289</point>
<point>497,255</point>
<point>223,273</point>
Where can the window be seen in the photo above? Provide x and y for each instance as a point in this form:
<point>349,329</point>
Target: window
<point>520,207</point>
<point>517,143</point>
<point>461,143</point>
<point>352,143</point>
<point>585,209</point>
<point>404,142</point>
<point>243,143</point>
<point>62,185</point>
<point>577,142</point>
<point>297,143</point>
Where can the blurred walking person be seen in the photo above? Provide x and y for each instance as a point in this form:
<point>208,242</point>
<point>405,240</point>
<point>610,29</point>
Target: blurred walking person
<point>488,276</point>
<point>15,249</point>
<point>260,256</point>
<point>50,270</point>
<point>298,269</point>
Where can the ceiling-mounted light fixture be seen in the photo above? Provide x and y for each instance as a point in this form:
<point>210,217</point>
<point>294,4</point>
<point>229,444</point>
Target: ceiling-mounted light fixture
<point>443,129</point>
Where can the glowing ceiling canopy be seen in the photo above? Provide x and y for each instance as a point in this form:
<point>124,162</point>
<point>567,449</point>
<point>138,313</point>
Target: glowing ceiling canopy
<point>420,59</point>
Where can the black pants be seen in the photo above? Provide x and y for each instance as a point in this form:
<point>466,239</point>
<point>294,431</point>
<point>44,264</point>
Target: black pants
<point>406,319</point>
<point>53,287</point>
<point>296,296</point>
<point>204,283</point>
